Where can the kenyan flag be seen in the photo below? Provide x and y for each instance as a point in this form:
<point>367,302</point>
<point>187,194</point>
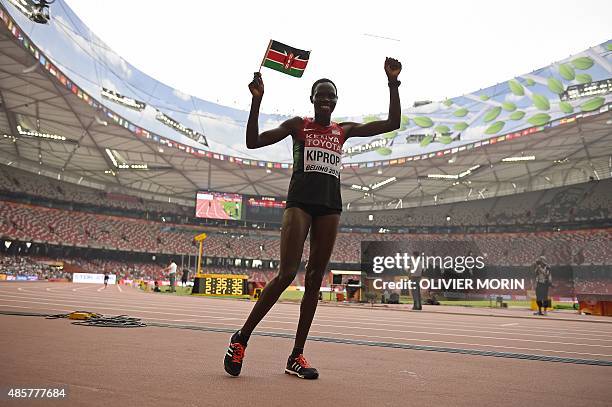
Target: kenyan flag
<point>286,59</point>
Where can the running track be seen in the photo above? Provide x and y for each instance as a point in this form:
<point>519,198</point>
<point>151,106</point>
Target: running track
<point>179,366</point>
<point>212,211</point>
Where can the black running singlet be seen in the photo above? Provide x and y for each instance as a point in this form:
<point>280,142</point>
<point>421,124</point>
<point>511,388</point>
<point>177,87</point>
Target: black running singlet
<point>317,153</point>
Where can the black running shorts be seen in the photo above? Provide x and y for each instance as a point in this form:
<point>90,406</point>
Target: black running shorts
<point>313,210</point>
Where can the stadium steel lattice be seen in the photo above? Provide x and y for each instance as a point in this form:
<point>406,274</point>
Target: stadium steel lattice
<point>52,125</point>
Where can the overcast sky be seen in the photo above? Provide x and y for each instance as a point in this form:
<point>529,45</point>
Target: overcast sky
<point>447,48</point>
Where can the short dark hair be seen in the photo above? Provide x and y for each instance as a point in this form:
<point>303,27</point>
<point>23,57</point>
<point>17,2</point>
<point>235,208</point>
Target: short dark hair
<point>322,80</point>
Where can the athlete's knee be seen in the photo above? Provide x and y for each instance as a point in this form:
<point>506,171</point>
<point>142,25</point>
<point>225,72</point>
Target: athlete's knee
<point>286,277</point>
<point>314,277</point>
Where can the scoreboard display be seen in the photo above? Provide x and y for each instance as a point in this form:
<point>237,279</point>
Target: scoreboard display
<point>218,205</point>
<point>226,285</point>
<point>264,208</point>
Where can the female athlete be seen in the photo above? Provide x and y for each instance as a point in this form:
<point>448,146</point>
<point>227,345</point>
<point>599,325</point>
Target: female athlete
<point>313,204</point>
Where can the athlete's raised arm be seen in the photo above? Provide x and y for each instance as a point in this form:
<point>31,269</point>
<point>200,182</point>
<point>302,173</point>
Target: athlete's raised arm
<point>392,68</point>
<point>253,138</point>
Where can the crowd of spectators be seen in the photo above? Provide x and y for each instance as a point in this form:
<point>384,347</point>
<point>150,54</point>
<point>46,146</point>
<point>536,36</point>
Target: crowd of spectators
<point>593,280</point>
<point>589,201</point>
<point>44,268</point>
<point>14,180</point>
<point>81,229</point>
<point>25,266</point>
<point>567,282</point>
<point>73,228</point>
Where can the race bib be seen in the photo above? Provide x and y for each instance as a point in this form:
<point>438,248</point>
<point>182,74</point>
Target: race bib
<point>322,153</point>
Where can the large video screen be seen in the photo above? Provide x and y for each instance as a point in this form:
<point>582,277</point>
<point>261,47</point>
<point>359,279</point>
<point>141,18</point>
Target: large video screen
<point>264,209</point>
<point>218,205</point>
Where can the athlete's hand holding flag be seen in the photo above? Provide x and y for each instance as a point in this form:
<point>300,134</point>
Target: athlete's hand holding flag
<point>257,86</point>
<point>283,58</point>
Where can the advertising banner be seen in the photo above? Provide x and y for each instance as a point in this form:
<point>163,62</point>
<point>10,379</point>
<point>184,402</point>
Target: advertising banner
<point>93,278</point>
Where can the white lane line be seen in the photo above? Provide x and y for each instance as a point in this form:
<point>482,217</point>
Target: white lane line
<point>336,326</point>
<point>100,289</point>
<point>335,321</point>
<point>57,289</point>
<point>87,286</point>
<point>224,311</point>
<point>272,329</point>
<point>483,321</point>
<point>264,324</point>
<point>512,324</point>
<point>37,309</point>
<point>120,290</point>
<point>406,319</point>
<point>461,343</point>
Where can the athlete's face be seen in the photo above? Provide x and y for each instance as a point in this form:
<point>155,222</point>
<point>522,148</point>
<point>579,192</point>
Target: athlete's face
<point>324,98</point>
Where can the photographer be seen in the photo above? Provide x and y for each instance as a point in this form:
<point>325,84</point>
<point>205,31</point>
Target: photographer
<point>543,280</point>
<point>171,270</point>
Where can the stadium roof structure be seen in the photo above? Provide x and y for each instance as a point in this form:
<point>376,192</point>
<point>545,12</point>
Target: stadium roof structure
<point>72,109</point>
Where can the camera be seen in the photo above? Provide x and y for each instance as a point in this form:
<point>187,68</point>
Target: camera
<point>40,11</point>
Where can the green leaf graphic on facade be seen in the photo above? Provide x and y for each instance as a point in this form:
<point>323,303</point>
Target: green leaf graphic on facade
<point>447,102</point>
<point>495,127</point>
<point>539,119</point>
<point>566,107</point>
<point>383,150</point>
<point>509,106</point>
<point>442,129</point>
<point>425,142</point>
<point>460,112</point>
<point>390,135</point>
<point>529,82</point>
<point>582,63</point>
<point>445,139</point>
<point>540,101</point>
<point>460,126</point>
<point>516,87</point>
<point>492,114</point>
<point>555,85</point>
<point>567,72</point>
<point>518,115</point>
<point>404,123</point>
<point>484,98</point>
<point>592,104</point>
<point>584,78</point>
<point>423,121</point>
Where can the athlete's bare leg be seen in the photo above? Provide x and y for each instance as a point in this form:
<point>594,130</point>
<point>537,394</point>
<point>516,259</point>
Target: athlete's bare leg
<point>296,224</point>
<point>322,239</point>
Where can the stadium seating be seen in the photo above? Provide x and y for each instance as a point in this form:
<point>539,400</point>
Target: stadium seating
<point>580,202</point>
<point>15,180</point>
<point>72,228</point>
<point>580,279</point>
